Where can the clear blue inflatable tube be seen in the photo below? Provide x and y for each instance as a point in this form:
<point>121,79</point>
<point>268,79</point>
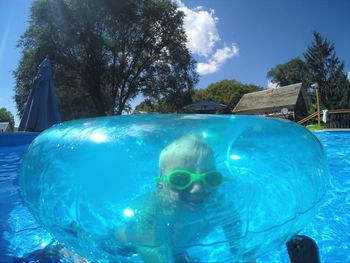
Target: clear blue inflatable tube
<point>108,188</point>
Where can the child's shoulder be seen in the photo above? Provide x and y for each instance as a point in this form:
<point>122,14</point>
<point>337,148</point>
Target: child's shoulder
<point>220,203</point>
<point>145,205</point>
<point>218,199</point>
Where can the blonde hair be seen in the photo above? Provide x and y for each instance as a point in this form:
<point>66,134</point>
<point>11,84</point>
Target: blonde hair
<point>189,152</point>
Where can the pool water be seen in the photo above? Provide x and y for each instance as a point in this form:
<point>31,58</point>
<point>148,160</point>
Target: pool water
<point>23,240</point>
<point>331,226</point>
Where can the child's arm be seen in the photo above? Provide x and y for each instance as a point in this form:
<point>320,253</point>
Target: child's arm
<point>232,225</point>
<point>234,233</point>
<point>145,233</point>
<point>154,254</point>
<point>151,244</point>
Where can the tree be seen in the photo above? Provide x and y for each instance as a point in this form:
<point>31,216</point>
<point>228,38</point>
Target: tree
<point>174,102</point>
<point>227,92</point>
<point>147,105</point>
<point>6,116</point>
<point>320,65</point>
<point>105,53</point>
<point>325,68</point>
<point>294,71</point>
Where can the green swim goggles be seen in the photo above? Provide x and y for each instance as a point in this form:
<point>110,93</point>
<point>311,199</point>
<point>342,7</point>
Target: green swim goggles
<point>183,179</point>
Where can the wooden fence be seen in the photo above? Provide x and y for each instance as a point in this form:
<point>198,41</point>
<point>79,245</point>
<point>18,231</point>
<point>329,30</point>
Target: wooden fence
<point>336,119</point>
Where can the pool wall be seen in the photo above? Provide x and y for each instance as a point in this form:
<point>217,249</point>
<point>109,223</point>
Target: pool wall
<point>12,147</point>
<point>16,138</point>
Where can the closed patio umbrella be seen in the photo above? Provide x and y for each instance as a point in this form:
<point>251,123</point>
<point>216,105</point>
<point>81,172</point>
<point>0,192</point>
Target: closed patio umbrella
<point>41,109</point>
<point>205,106</point>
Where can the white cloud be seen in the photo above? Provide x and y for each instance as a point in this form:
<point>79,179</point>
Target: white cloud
<point>349,75</point>
<point>217,60</point>
<point>202,37</point>
<point>221,55</point>
<point>201,31</point>
<point>207,68</point>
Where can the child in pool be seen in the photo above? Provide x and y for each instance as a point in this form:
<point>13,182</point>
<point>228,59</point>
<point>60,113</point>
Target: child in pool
<point>185,209</point>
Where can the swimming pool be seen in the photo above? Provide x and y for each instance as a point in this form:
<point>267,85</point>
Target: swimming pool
<point>21,236</point>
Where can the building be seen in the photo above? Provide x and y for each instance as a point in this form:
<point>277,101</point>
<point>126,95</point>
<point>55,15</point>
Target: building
<point>5,127</point>
<point>286,102</point>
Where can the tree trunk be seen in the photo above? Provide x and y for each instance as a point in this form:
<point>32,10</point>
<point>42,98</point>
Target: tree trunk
<point>95,93</point>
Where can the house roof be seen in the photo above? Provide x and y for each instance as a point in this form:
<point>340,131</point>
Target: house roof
<point>278,98</point>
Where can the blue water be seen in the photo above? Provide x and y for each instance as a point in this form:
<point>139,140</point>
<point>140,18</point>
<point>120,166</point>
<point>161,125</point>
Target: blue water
<point>21,237</point>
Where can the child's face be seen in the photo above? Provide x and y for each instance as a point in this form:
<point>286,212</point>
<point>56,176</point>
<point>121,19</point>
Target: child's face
<point>189,160</point>
<point>195,194</point>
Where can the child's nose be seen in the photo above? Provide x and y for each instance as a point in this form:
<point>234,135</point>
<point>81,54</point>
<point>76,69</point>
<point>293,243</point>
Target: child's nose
<point>197,188</point>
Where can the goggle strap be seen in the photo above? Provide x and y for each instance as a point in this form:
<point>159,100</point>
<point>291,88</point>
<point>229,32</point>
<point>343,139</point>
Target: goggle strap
<point>158,179</point>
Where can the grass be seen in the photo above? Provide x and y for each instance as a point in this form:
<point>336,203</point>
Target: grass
<point>315,127</point>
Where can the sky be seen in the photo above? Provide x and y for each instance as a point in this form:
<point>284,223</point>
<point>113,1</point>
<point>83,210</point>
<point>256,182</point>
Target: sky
<point>230,39</point>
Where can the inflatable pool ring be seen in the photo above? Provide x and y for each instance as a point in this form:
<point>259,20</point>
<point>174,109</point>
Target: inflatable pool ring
<point>121,188</point>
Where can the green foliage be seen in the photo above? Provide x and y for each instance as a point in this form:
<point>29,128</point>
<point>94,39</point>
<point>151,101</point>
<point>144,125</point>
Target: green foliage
<point>325,68</point>
<point>105,53</point>
<point>6,116</point>
<point>315,127</point>
<point>294,71</point>
<point>320,65</point>
<point>175,102</point>
<point>172,103</point>
<point>147,105</point>
<point>227,92</point>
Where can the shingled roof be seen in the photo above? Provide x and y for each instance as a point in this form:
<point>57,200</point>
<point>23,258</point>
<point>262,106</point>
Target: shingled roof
<point>283,97</point>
